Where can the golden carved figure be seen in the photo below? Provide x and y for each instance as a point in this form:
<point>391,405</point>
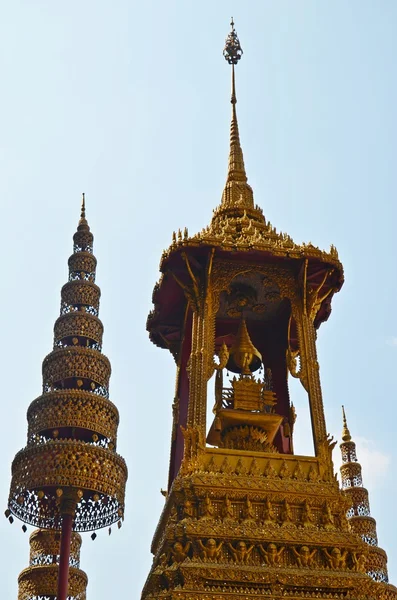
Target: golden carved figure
<point>327,518</point>
<point>307,519</point>
<point>272,556</point>
<point>286,515</point>
<point>248,511</point>
<point>208,510</point>
<point>304,557</point>
<point>188,510</point>
<point>240,552</point>
<point>336,559</point>
<point>210,550</point>
<point>359,562</point>
<point>269,517</point>
<point>179,551</point>
<point>227,509</point>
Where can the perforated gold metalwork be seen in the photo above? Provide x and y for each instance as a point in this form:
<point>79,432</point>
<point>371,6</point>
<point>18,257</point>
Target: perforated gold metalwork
<point>75,325</point>
<point>66,364</point>
<point>72,426</point>
<point>39,580</point>
<point>73,408</point>
<point>44,547</point>
<point>358,513</point>
<point>36,583</point>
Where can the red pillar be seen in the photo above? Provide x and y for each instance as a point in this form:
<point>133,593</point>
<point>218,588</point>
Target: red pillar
<point>63,573</point>
<point>68,507</point>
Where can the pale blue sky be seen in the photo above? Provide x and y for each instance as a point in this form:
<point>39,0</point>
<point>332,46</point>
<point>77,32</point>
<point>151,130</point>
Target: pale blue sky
<point>129,102</point>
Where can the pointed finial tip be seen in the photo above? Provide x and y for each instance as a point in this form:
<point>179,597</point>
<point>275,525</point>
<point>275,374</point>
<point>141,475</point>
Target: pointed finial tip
<point>83,220</point>
<point>346,437</point>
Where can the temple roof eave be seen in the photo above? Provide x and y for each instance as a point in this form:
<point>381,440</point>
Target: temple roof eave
<point>280,248</point>
<point>160,317</point>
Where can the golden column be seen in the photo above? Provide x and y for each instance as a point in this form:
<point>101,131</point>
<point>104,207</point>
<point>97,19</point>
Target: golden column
<point>69,475</point>
<point>244,516</point>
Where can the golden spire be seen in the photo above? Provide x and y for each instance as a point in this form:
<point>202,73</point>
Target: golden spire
<point>346,437</point>
<point>235,194</point>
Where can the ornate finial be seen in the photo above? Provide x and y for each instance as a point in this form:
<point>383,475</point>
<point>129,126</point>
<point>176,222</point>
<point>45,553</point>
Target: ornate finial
<point>232,50</point>
<point>83,224</point>
<point>346,437</point>
<point>236,171</point>
<point>82,215</point>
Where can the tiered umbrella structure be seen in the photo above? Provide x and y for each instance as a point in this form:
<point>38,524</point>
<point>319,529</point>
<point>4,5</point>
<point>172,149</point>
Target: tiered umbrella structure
<point>69,476</point>
<point>359,514</point>
<point>39,580</point>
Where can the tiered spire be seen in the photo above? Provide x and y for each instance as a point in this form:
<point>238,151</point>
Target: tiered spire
<point>39,580</point>
<point>237,192</point>
<point>359,514</point>
<point>70,466</point>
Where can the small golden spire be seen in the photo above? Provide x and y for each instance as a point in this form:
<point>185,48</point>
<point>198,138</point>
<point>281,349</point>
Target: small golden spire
<point>236,170</point>
<point>244,357</point>
<point>346,437</point>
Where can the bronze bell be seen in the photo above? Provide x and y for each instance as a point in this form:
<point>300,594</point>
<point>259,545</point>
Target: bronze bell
<point>244,358</point>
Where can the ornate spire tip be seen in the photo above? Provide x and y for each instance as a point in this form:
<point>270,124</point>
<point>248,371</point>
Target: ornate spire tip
<point>82,215</point>
<point>232,50</point>
<point>346,437</point>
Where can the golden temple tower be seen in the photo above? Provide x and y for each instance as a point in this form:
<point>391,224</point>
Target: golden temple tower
<point>39,580</point>
<point>69,476</point>
<point>244,516</point>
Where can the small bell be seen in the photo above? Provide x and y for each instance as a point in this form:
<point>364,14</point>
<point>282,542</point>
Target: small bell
<point>11,520</point>
<point>7,513</point>
<point>93,536</point>
<point>119,524</point>
<point>109,530</point>
<point>24,528</point>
